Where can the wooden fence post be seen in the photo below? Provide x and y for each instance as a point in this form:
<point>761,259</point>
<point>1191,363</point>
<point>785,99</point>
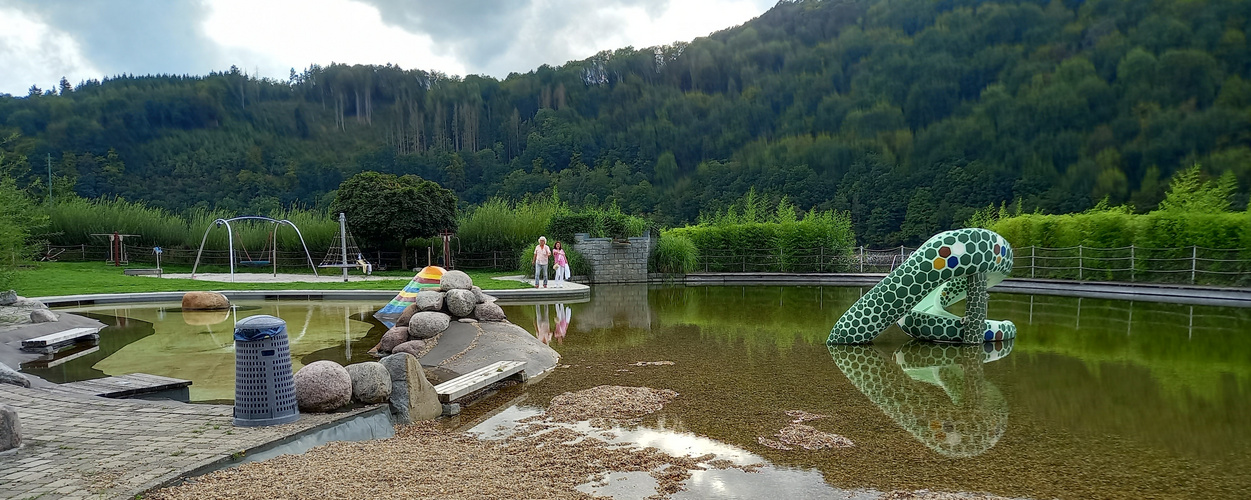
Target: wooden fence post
<point>1031,261</point>
<point>862,258</point>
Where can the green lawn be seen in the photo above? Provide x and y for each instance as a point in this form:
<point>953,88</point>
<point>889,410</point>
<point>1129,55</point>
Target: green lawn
<point>72,278</point>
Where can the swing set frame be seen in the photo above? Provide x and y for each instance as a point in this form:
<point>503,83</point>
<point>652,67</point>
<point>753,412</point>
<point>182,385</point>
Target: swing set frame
<point>230,236</point>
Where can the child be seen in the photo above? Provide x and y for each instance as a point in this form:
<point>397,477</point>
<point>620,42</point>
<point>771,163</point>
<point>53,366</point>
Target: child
<point>562,265</point>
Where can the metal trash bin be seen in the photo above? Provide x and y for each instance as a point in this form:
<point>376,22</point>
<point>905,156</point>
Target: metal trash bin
<point>264,386</point>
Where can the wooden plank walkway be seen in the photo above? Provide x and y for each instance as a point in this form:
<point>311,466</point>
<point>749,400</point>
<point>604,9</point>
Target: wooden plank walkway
<point>475,380</point>
<point>125,386</point>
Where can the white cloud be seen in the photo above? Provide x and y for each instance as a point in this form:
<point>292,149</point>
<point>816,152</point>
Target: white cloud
<point>591,28</point>
<point>32,52</point>
<point>274,36</point>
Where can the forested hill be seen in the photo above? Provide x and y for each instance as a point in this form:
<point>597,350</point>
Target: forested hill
<point>908,113</point>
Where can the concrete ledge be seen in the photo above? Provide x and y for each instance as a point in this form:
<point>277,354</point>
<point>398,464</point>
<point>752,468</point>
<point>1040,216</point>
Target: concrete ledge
<point>1145,292</point>
<point>520,296</point>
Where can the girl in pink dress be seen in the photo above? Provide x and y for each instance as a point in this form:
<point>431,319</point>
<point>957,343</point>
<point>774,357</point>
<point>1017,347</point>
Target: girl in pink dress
<point>562,265</point>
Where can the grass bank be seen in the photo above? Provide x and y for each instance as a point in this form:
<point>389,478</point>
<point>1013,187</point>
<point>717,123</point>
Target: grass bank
<point>72,278</point>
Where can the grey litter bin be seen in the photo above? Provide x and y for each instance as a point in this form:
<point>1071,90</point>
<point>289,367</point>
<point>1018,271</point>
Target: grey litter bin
<point>264,387</point>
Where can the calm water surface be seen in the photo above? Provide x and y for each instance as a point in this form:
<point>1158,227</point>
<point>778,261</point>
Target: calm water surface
<point>1094,399</point>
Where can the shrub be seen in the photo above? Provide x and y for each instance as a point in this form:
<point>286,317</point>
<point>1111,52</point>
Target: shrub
<point>597,223</point>
<point>812,243</point>
<point>501,225</point>
<point>19,219</point>
<point>675,254</point>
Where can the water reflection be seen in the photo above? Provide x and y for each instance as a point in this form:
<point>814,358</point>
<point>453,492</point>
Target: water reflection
<point>937,392</point>
<point>199,345</point>
<point>543,327</point>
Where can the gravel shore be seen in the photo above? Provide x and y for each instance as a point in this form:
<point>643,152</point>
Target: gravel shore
<point>541,460</point>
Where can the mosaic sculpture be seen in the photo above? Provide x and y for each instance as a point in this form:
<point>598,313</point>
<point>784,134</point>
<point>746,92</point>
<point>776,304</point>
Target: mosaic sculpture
<point>936,392</point>
<point>949,267</point>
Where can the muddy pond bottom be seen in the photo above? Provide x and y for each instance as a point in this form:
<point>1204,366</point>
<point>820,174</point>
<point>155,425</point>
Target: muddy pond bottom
<point>1094,399</point>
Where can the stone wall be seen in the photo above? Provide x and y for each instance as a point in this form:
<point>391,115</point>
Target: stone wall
<point>615,262</point>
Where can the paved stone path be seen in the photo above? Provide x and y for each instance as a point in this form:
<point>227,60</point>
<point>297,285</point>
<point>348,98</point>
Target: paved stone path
<point>76,446</point>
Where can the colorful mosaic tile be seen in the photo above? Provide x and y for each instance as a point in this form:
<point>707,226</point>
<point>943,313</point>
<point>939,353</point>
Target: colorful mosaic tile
<point>949,267</point>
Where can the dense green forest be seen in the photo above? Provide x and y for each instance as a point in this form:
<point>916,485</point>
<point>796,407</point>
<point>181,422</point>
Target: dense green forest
<point>908,114</point>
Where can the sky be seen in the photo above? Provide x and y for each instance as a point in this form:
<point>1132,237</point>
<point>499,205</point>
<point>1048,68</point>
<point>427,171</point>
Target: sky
<point>43,40</point>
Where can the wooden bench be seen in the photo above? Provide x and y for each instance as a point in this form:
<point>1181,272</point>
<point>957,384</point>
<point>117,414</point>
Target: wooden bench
<point>142,272</point>
<point>128,386</point>
<point>54,342</point>
<point>478,379</point>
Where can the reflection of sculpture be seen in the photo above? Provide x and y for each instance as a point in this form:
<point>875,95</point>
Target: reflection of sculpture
<point>947,268</point>
<point>935,392</point>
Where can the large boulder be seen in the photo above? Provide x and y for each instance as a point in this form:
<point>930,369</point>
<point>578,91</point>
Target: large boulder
<point>493,341</point>
<point>414,347</point>
<point>412,396</point>
<point>395,336</point>
<point>10,428</point>
<point>428,300</point>
<point>11,376</point>
<point>482,296</point>
<point>427,324</point>
<point>42,316</point>
<point>489,311</point>
<point>455,280</point>
<point>8,298</point>
<point>322,386</point>
<point>204,301</point>
<point>371,382</point>
<point>407,315</point>
<point>460,302</point>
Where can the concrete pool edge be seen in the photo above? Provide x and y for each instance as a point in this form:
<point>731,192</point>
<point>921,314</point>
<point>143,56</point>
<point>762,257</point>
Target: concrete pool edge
<point>1147,292</point>
<point>517,296</point>
<point>228,461</point>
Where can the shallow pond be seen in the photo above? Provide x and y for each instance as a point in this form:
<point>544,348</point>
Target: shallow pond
<point>1095,398</point>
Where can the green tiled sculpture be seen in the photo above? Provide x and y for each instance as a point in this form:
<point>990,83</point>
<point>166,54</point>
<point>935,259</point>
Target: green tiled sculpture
<point>937,392</point>
<point>949,267</point>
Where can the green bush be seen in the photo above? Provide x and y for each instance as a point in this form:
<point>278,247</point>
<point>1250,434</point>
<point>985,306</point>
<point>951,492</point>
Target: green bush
<point>597,223</point>
<point>813,243</point>
<point>674,254</point>
<point>19,220</point>
<point>72,221</point>
<point>502,226</point>
<point>1115,244</point>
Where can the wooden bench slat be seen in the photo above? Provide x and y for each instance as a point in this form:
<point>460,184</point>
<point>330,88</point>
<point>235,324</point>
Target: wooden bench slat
<point>61,336</point>
<point>477,379</point>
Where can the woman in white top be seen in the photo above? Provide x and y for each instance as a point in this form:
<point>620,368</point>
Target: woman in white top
<point>542,254</point>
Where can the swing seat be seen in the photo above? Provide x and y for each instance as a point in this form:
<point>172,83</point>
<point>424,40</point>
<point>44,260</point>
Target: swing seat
<point>254,263</point>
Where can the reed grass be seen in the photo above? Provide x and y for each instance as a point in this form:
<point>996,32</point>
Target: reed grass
<point>74,221</point>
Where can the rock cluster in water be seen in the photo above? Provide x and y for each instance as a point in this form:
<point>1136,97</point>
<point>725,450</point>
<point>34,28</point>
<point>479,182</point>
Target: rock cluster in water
<point>441,328</point>
<point>432,311</point>
<point>398,379</point>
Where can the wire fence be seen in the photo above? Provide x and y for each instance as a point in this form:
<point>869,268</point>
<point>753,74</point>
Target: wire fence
<point>1185,265</point>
